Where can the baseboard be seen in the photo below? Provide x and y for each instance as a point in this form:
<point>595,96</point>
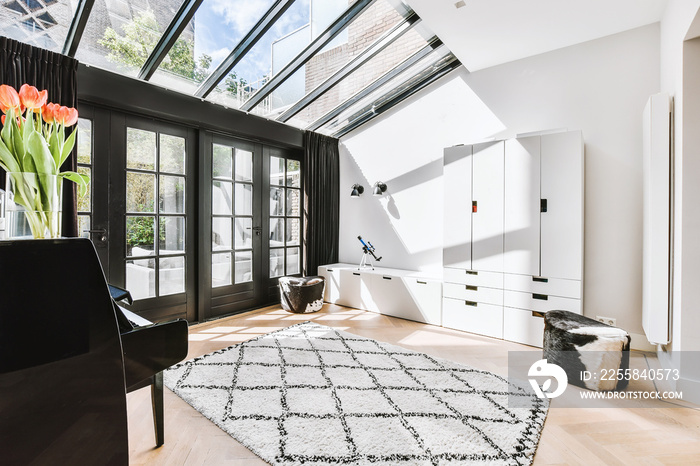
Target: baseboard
<point>640,343</point>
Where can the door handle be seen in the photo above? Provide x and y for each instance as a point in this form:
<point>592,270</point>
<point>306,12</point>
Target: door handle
<point>98,231</point>
<point>257,230</point>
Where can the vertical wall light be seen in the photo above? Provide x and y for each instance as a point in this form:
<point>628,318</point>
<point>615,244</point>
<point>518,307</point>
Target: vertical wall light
<point>357,189</point>
<point>379,188</point>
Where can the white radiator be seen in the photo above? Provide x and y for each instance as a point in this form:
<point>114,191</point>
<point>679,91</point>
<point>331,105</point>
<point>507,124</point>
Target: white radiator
<point>658,211</point>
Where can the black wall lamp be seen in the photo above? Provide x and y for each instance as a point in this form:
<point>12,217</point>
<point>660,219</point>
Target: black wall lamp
<point>357,189</point>
<point>379,188</point>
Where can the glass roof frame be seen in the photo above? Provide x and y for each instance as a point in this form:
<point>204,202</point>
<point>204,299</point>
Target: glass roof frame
<point>186,13</point>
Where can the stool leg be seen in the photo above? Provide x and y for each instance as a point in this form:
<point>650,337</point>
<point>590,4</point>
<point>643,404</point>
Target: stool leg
<point>157,404</point>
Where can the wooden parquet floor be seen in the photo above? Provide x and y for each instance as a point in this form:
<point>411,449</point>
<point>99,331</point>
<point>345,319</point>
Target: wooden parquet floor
<point>665,434</point>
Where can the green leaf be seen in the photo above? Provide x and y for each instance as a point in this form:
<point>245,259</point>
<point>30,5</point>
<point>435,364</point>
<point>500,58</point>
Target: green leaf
<point>78,178</point>
<point>68,146</point>
<point>7,129</point>
<point>55,148</point>
<point>17,142</point>
<point>43,160</point>
<point>7,159</point>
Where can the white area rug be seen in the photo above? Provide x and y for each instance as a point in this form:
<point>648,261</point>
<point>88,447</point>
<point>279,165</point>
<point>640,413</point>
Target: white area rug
<point>312,395</point>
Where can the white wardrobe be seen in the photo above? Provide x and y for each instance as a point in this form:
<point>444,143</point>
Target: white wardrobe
<point>513,234</point>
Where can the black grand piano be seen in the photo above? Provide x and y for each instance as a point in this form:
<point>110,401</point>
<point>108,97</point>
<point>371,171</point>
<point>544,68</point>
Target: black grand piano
<point>69,354</point>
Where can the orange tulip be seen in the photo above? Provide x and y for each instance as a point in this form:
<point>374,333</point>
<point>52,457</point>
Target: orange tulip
<point>8,98</point>
<point>67,116</point>
<point>48,112</point>
<point>31,97</point>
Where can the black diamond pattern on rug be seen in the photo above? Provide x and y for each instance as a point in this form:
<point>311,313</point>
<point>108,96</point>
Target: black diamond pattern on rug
<point>309,394</point>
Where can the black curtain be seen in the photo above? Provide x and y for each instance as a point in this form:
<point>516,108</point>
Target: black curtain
<point>322,200</point>
<point>22,63</point>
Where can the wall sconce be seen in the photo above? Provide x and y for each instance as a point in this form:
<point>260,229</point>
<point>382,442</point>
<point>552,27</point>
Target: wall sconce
<point>379,188</point>
<point>357,189</point>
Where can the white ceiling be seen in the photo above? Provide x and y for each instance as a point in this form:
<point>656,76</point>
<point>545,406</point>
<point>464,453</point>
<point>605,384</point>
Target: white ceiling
<point>485,33</point>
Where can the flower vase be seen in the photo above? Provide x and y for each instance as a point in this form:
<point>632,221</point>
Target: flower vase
<point>33,205</point>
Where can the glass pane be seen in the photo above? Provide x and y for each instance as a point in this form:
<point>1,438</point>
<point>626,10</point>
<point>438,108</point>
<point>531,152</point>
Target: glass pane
<point>244,233</point>
<point>172,154</point>
<point>277,201</point>
<point>171,275</point>
<point>220,233</point>
<point>220,269</point>
<point>244,199</point>
<point>172,194</point>
<point>217,28</point>
<point>273,51</point>
<point>389,90</point>
<point>84,226</point>
<point>140,149</point>
<point>222,162</point>
<point>244,165</point>
<point>140,192</point>
<point>402,48</point>
<point>141,278</point>
<point>276,171</point>
<point>293,174</point>
<point>276,262</point>
<point>293,231</point>
<point>140,234</point>
<point>42,24</point>
<point>293,204</point>
<point>121,34</point>
<point>84,200</point>
<point>244,267</point>
<point>276,232</point>
<point>221,200</point>
<point>84,144</point>
<point>293,266</point>
<point>171,235</point>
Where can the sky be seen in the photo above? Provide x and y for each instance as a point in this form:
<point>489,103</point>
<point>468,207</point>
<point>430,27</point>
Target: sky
<point>221,24</point>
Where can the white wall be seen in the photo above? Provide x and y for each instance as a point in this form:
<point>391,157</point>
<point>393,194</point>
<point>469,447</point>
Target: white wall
<point>600,87</point>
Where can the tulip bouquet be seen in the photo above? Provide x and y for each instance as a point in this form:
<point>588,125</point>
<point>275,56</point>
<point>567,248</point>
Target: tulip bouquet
<point>32,152</point>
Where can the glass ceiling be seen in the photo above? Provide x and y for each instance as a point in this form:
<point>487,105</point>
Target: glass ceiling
<point>324,65</point>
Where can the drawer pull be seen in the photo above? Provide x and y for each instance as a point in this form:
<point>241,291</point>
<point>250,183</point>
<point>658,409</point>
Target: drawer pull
<point>386,278</point>
<point>537,314</point>
<point>542,297</point>
<point>471,272</point>
<point>355,273</point>
<point>329,270</point>
<point>471,303</point>
<point>543,205</point>
<point>471,287</point>
<point>540,279</point>
<point>421,283</point>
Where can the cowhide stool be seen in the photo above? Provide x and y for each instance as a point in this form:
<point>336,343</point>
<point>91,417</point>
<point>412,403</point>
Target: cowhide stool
<point>577,344</point>
<point>301,295</point>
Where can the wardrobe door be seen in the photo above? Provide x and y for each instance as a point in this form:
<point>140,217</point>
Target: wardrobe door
<point>457,237</point>
<point>562,188</point>
<point>522,206</point>
<point>487,211</point>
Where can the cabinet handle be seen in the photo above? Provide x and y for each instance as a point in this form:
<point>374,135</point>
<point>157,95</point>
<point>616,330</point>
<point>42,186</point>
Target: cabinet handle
<point>471,272</point>
<point>421,283</point>
<point>474,208</point>
<point>537,314</point>
<point>540,279</point>
<point>471,303</point>
<point>386,278</point>
<point>355,273</point>
<point>543,205</point>
<point>471,287</point>
<point>329,270</point>
<point>542,297</point>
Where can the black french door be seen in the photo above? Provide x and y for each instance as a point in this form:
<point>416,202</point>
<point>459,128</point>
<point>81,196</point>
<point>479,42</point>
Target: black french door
<point>194,224</point>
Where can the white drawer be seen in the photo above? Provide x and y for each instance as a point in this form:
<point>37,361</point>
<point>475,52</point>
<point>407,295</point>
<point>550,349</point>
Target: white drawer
<point>484,319</point>
<point>407,297</point>
<point>473,277</point>
<point>521,326</point>
<point>479,294</point>
<point>540,302</point>
<point>543,285</point>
